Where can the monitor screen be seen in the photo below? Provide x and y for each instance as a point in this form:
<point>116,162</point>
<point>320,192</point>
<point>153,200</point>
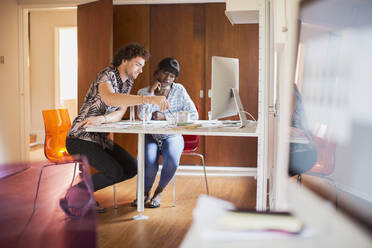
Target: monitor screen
<point>225,76</point>
<point>333,78</point>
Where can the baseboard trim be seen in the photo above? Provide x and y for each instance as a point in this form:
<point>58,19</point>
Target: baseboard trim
<point>221,171</point>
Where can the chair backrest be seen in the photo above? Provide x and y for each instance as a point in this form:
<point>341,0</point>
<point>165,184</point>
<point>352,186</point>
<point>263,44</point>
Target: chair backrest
<point>325,163</point>
<point>57,124</point>
<point>191,142</point>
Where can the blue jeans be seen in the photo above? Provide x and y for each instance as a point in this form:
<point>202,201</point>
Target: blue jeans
<point>171,150</point>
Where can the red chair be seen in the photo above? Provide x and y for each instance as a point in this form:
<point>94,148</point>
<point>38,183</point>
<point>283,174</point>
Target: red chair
<point>325,163</point>
<point>191,144</point>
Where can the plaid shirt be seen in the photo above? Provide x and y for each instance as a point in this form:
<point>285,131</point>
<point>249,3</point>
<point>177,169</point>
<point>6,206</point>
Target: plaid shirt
<point>299,121</point>
<point>178,99</point>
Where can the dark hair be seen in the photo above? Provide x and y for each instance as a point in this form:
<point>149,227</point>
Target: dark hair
<point>129,52</point>
<point>169,65</point>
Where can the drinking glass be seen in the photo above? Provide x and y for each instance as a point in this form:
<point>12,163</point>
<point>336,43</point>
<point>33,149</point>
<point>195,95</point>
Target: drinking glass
<point>132,116</point>
<point>147,113</point>
<point>171,118</point>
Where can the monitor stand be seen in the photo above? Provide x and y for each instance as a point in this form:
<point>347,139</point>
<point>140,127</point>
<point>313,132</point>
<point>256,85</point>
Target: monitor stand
<point>239,108</point>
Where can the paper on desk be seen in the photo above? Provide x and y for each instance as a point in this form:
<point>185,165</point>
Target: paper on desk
<point>116,125</point>
<point>208,208</point>
<point>209,212</point>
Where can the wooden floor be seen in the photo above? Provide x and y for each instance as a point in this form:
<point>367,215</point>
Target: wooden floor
<point>167,225</point>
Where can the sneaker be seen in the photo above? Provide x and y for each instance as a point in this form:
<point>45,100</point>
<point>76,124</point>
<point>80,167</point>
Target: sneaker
<point>76,202</point>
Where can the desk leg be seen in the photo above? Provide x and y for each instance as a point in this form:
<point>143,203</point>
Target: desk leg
<point>261,176</point>
<point>140,177</point>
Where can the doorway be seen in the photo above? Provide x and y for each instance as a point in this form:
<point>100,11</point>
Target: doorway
<point>52,49</point>
<point>66,69</point>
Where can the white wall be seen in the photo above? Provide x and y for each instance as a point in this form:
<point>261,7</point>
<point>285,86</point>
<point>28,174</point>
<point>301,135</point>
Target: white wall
<point>42,62</point>
<point>9,88</point>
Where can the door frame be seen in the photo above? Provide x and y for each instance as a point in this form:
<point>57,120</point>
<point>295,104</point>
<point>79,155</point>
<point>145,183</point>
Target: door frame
<point>24,69</point>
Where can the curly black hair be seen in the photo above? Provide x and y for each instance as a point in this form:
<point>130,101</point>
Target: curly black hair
<point>129,52</point>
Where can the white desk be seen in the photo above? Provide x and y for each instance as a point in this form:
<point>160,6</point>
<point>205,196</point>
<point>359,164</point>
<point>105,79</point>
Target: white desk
<point>161,127</point>
<point>324,227</point>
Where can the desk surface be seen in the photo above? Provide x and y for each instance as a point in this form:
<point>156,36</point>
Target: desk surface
<point>161,127</point>
<point>324,227</point>
<point>206,128</point>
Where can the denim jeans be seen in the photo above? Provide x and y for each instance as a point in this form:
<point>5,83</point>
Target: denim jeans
<point>301,162</point>
<point>171,149</point>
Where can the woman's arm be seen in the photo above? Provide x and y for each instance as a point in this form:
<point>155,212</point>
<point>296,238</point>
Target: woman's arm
<point>110,98</point>
<point>189,106</point>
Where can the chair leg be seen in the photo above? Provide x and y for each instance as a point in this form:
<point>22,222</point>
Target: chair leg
<point>299,179</point>
<point>37,187</point>
<point>38,184</point>
<point>35,199</point>
<point>174,190</point>
<point>205,172</point>
<point>73,176</point>
<point>115,200</point>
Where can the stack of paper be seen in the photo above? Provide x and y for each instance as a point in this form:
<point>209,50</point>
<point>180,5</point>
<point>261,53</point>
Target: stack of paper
<point>216,219</point>
<point>260,221</point>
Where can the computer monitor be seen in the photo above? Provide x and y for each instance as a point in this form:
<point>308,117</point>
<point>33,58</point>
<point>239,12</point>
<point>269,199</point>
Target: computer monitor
<point>333,75</point>
<point>225,89</point>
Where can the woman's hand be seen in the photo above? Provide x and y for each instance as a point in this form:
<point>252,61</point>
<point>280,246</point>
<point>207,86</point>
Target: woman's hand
<point>158,116</point>
<point>154,86</point>
<point>93,120</point>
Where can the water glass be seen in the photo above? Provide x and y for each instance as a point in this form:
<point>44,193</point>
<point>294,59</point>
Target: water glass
<point>171,119</point>
<point>147,113</point>
<point>132,116</point>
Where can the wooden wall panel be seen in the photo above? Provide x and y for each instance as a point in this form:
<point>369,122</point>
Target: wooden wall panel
<point>192,33</point>
<point>177,30</point>
<point>132,25</point>
<point>94,22</point>
<point>238,41</point>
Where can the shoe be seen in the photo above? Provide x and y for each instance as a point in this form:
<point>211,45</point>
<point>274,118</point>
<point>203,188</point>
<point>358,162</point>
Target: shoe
<point>99,208</point>
<point>155,200</point>
<point>145,200</point>
<point>153,204</point>
<point>76,202</point>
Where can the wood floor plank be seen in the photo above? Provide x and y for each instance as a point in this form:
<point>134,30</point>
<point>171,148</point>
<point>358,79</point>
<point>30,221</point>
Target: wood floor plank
<point>167,225</point>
